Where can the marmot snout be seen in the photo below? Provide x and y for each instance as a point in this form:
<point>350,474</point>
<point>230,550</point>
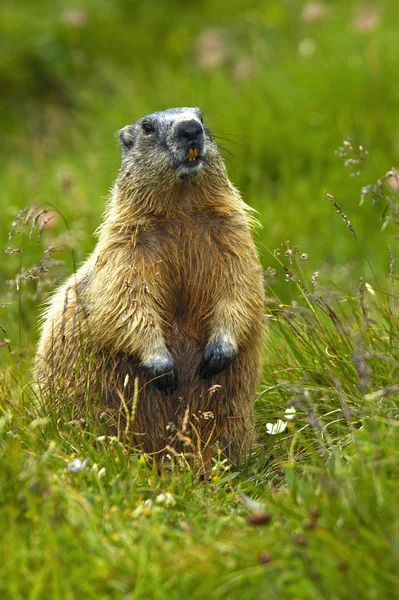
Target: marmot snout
<point>170,300</point>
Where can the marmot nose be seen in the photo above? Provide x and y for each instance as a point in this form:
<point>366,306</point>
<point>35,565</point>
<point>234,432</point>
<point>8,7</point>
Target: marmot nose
<point>189,130</point>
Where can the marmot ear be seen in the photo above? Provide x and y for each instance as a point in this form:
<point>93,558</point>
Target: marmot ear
<point>126,136</point>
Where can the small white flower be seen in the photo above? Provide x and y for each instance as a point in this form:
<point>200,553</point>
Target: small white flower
<point>369,289</point>
<point>290,413</point>
<point>307,47</point>
<point>166,499</point>
<point>144,508</point>
<point>77,465</point>
<point>101,473</point>
<point>275,428</point>
<point>138,511</point>
<point>313,12</point>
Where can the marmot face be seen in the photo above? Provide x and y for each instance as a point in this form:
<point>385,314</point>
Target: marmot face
<point>170,146</point>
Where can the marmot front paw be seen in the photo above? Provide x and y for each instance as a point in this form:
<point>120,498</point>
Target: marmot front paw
<point>218,355</point>
<point>162,372</point>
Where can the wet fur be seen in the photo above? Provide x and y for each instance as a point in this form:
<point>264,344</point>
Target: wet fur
<point>174,270</point>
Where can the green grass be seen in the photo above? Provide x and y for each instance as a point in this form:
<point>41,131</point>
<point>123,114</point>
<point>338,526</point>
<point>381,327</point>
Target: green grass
<point>329,481</point>
<point>117,528</point>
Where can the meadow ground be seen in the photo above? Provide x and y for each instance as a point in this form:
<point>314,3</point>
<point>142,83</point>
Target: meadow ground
<point>312,513</point>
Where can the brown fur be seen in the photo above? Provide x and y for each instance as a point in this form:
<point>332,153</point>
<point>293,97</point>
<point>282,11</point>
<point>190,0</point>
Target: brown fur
<point>174,266</point>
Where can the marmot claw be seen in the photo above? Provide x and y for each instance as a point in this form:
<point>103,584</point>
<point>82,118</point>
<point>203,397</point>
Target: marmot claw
<point>162,372</point>
<point>218,355</point>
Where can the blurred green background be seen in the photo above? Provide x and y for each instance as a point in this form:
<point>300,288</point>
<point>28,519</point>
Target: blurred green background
<point>282,83</point>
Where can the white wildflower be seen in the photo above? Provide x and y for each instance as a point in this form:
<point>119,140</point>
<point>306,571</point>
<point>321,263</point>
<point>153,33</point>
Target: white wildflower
<point>367,19</point>
<point>290,413</point>
<point>313,12</point>
<point>166,499</point>
<point>144,508</point>
<point>307,47</point>
<point>77,465</point>
<point>275,428</point>
<point>369,289</point>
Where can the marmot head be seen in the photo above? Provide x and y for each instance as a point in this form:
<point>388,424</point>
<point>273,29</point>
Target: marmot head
<point>170,147</point>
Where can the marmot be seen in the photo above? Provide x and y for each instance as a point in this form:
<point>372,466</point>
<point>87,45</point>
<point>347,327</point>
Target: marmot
<point>159,332</point>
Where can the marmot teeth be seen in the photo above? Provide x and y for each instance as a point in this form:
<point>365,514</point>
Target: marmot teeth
<point>192,154</point>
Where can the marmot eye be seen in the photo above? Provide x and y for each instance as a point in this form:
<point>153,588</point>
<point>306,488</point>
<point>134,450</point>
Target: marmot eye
<point>148,128</point>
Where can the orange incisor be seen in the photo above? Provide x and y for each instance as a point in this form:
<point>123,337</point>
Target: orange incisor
<point>192,154</point>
